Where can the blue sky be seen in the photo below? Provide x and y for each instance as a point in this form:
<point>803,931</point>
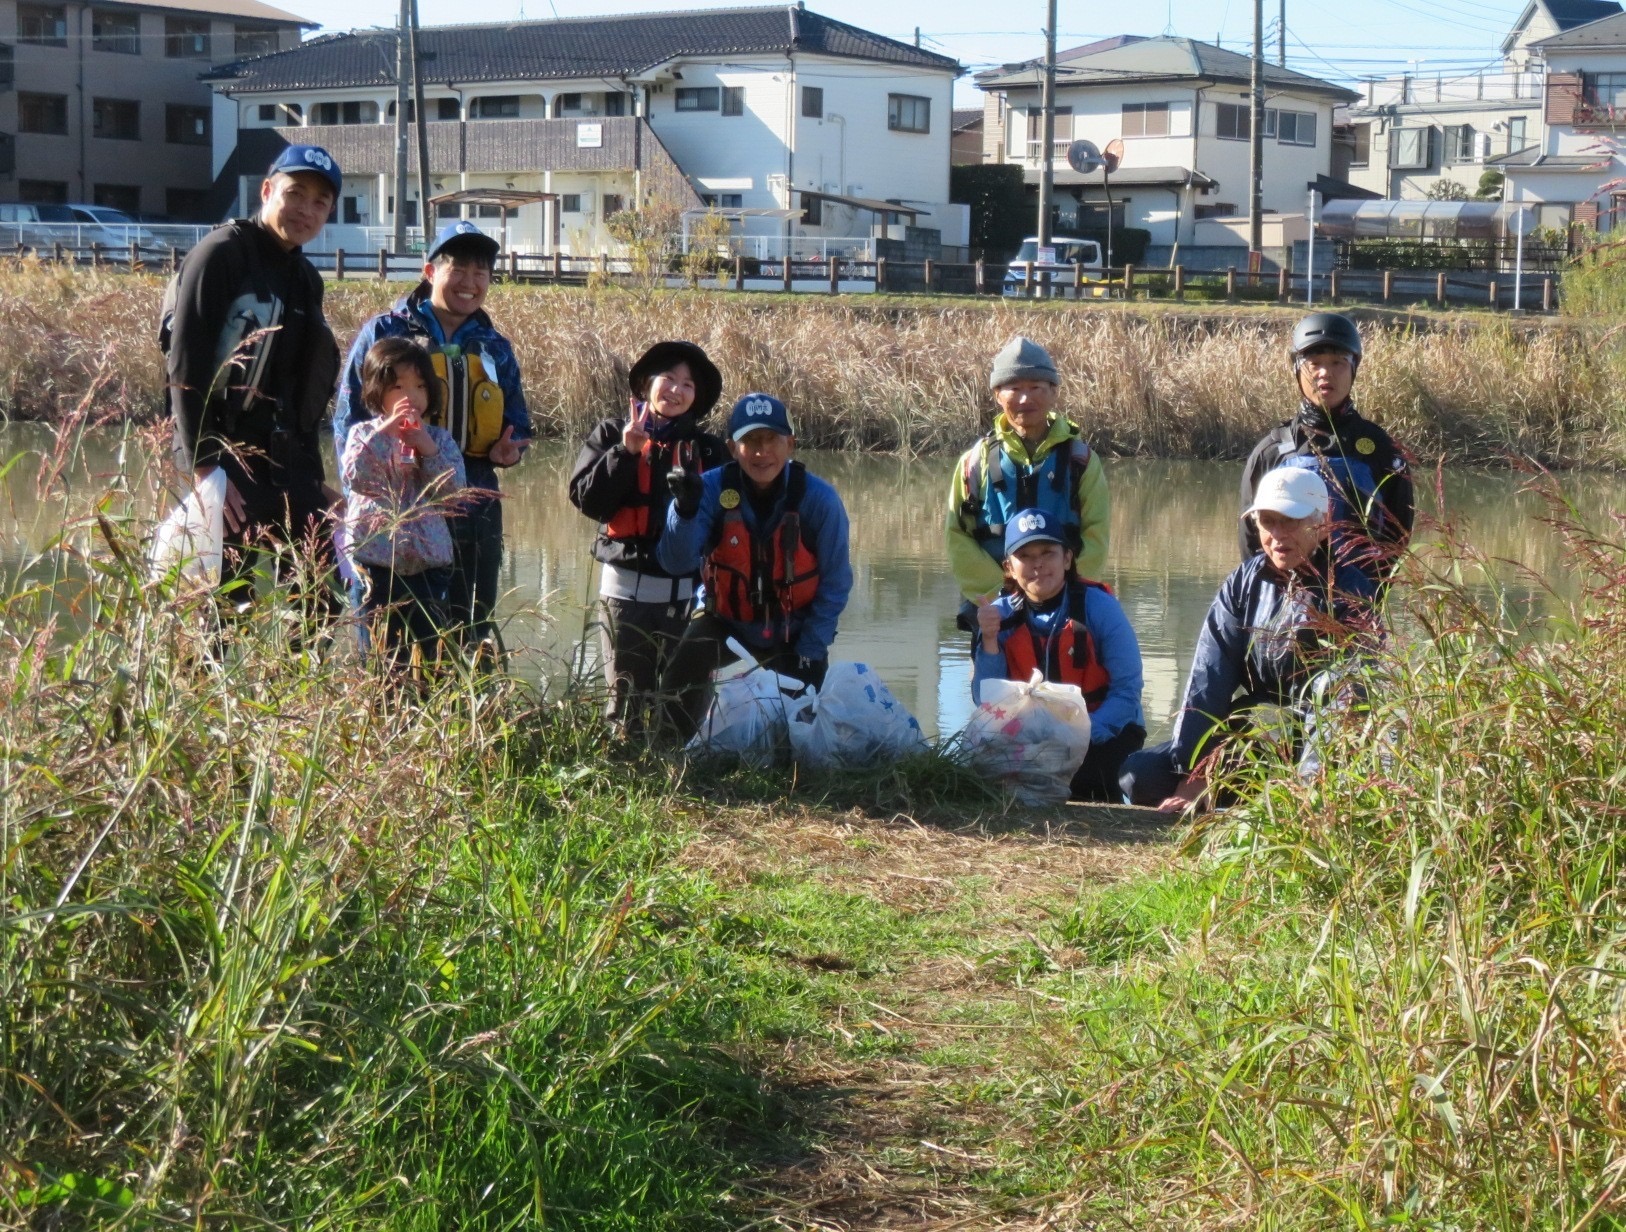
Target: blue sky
<point>1341,41</point>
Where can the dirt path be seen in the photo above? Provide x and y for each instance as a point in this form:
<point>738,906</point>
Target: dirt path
<point>924,1025</point>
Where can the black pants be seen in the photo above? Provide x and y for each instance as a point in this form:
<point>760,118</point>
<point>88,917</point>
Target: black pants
<point>476,567</point>
<point>405,610</point>
<point>636,641</point>
<point>686,682</point>
<point>1097,778</point>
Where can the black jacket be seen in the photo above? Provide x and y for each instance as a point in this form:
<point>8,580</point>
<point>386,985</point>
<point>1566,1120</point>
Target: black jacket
<point>250,359</point>
<point>605,479</point>
<point>1366,473</point>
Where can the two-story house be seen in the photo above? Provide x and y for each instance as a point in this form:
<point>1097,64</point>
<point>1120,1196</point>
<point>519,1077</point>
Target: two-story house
<point>1182,109</point>
<point>101,102</point>
<point>1576,174</point>
<point>1413,133</point>
<point>787,119</point>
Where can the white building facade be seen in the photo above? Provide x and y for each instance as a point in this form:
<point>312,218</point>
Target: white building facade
<point>794,125</point>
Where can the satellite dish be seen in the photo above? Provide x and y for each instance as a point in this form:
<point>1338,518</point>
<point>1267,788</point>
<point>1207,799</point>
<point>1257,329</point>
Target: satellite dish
<point>1113,154</point>
<point>1083,157</point>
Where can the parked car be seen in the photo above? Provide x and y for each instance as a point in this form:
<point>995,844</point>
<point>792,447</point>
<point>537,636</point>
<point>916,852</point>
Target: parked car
<point>1057,260</point>
<point>33,224</point>
<point>102,224</point>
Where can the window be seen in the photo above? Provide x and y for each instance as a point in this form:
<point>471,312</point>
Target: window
<point>42,113</point>
<point>1412,149</point>
<point>570,203</point>
<point>568,105</point>
<point>1361,155</point>
<point>615,103</point>
<point>186,40</point>
<point>1295,127</point>
<point>353,112</point>
<point>723,201</point>
<point>497,107</point>
<point>908,113</point>
<point>812,211</point>
<point>248,41</point>
<point>813,102</point>
<point>1459,143</point>
<point>45,192</point>
<point>42,24</point>
<point>186,125</point>
<point>120,32</point>
<point>613,204</point>
<point>116,118</point>
<point>410,214</point>
<point>1232,123</point>
<point>126,197</point>
<point>1268,126</point>
<point>697,98</point>
<point>448,210</point>
<point>1604,89</point>
<point>1146,120</point>
<point>1515,134</point>
<point>447,109</point>
<point>1063,135</point>
<point>412,111</point>
<point>186,204</point>
<point>733,100</point>
<point>353,211</point>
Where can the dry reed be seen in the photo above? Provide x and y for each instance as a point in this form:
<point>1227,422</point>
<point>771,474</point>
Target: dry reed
<point>885,375</point>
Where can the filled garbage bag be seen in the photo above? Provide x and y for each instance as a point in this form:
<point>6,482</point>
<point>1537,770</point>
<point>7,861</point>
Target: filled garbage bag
<point>1030,735</point>
<point>747,718</point>
<point>191,539</point>
<point>852,722</point>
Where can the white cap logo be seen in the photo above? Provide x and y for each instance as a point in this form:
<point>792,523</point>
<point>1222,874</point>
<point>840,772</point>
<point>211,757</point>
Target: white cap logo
<point>1029,522</point>
<point>318,158</point>
<point>759,407</point>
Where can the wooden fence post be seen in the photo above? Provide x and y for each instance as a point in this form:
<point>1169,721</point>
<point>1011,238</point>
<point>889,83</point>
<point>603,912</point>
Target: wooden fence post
<point>1439,289</point>
<point>1129,282</point>
<point>931,275</point>
<point>1179,282</point>
<point>1284,285</point>
<point>1493,296</point>
<point>96,254</point>
<point>56,251</point>
<point>558,266</point>
<point>739,271</point>
<point>1230,284</point>
<point>981,278</point>
<point>880,273</point>
<point>784,276</point>
<point>1027,281</point>
<point>1547,294</point>
<point>513,265</point>
<point>383,264</point>
<point>1388,285</point>
<point>338,264</point>
<point>835,275</point>
<point>135,256</point>
<point>1078,280</point>
<point>174,259</point>
<point>1332,285</point>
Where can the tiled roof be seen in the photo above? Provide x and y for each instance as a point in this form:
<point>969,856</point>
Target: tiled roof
<point>228,8</point>
<point>1159,59</point>
<point>966,117</point>
<point>570,47</point>
<point>1571,13</point>
<point>1606,32</point>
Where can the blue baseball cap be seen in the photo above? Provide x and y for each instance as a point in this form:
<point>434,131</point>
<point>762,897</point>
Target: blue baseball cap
<point>755,411</point>
<point>1032,526</point>
<point>309,158</point>
<point>465,235</point>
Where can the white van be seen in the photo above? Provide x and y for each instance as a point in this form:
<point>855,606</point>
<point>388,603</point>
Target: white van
<point>1056,259</point>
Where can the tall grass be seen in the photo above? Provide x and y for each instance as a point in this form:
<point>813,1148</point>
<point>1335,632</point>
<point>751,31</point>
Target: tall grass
<point>887,374</point>
<point>1393,997</point>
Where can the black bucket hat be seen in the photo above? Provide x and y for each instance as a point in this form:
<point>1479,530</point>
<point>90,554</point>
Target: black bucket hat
<point>663,357</point>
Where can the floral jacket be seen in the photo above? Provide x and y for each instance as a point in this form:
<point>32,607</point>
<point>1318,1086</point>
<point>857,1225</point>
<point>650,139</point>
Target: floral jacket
<point>395,514</point>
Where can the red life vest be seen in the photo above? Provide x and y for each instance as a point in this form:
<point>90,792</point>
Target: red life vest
<point>632,520</point>
<point>760,579</point>
<point>1067,656</point>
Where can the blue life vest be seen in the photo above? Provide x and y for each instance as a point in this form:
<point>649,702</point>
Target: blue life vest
<point>995,494</point>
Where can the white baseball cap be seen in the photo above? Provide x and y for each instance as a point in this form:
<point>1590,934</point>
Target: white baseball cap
<point>1290,490</point>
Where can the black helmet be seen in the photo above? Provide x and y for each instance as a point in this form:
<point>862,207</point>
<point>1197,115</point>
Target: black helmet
<point>663,357</point>
<point>1321,329</point>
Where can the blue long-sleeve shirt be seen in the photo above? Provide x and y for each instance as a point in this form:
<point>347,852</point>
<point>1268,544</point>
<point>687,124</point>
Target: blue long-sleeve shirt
<point>686,541</point>
<point>1266,636</point>
<point>413,315</point>
<point>1116,648</point>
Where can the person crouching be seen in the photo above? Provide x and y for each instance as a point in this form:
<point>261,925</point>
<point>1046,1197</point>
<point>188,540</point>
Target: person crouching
<point>1072,631</point>
<point>770,542</point>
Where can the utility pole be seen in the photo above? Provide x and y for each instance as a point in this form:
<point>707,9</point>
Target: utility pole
<point>419,119</point>
<point>1047,129</point>
<point>1281,37</point>
<point>1256,159</point>
<point>401,38</point>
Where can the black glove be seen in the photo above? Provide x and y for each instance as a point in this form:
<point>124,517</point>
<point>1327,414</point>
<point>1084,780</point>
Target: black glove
<point>810,671</point>
<point>686,487</point>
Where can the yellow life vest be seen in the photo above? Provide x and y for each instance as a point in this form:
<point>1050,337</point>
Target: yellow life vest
<point>471,402</point>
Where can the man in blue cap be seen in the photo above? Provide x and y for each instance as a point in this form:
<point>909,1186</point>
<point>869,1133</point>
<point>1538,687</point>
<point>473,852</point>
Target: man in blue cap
<point>770,543</point>
<point>484,405</point>
<point>250,363</point>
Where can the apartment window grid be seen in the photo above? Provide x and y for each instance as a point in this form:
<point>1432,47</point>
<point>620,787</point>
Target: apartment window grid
<point>352,112</point>
<point>186,204</point>
<point>497,107</point>
<point>186,40</point>
<point>1145,119</point>
<point>908,113</point>
<point>723,201</point>
<point>185,125</point>
<point>1459,143</point>
<point>1516,129</point>
<point>44,192</point>
<point>249,41</point>
<point>1232,123</point>
<point>44,25</point>
<point>126,197</point>
<point>1604,90</point>
<point>1361,156</point>
<point>813,102</point>
<point>1294,128</point>
<point>1061,138</point>
<point>613,203</point>
<point>1412,149</point>
<point>42,113</point>
<point>115,119</point>
<point>733,100</point>
<point>570,203</point>
<point>447,109</point>
<point>697,98</point>
<point>116,32</point>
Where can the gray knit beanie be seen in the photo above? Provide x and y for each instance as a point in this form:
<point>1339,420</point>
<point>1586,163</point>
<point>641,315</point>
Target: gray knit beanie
<point>1022,359</point>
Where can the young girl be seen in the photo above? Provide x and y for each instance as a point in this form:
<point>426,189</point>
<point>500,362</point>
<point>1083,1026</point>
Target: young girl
<point>400,474</point>
<point>620,480</point>
<point>1073,631</point>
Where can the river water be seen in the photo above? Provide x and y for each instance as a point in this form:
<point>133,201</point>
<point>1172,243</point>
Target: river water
<point>1173,541</point>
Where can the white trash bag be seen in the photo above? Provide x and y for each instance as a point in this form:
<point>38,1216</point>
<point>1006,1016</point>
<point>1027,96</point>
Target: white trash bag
<point>1032,736</point>
<point>747,718</point>
<point>192,538</point>
<point>852,722</point>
